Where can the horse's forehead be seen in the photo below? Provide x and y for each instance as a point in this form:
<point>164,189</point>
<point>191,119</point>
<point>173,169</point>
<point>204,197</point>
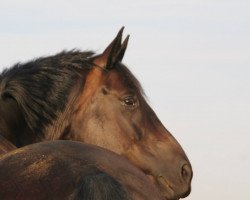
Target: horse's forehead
<point>116,82</point>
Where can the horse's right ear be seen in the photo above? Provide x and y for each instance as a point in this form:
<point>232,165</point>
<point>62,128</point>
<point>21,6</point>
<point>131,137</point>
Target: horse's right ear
<point>113,53</point>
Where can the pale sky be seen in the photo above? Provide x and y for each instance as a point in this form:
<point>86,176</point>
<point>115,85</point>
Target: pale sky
<point>191,56</point>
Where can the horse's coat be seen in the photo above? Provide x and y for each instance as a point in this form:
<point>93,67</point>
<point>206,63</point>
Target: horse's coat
<point>5,146</point>
<point>71,170</point>
<point>99,186</point>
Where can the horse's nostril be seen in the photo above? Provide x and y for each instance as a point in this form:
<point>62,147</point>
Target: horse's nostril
<point>186,172</point>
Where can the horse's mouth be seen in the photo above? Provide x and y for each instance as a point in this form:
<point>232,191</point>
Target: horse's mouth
<point>165,187</point>
<point>168,191</point>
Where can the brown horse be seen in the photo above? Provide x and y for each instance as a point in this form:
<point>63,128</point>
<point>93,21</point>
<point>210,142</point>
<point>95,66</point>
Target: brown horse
<point>94,99</point>
<point>71,170</point>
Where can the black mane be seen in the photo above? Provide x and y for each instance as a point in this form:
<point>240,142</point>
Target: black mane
<point>41,86</point>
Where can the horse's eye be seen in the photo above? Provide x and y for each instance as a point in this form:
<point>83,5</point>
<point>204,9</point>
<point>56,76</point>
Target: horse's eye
<point>129,101</point>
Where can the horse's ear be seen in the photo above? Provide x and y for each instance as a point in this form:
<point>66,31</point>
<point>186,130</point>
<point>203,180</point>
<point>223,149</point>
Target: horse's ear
<point>113,53</point>
<point>111,50</point>
<point>122,50</point>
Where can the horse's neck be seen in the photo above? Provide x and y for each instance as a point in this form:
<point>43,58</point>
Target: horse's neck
<point>12,123</point>
<point>60,128</point>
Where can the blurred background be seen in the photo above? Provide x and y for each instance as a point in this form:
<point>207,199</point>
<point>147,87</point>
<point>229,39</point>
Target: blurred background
<point>192,58</point>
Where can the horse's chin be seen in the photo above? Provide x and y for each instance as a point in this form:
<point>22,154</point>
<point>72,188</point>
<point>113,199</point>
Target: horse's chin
<point>165,188</point>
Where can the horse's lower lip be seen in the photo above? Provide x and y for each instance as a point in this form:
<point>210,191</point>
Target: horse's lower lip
<point>167,198</point>
<point>169,192</point>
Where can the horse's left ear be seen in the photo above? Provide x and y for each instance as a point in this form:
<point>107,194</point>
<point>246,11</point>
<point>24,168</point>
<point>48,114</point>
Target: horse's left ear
<point>113,53</point>
<point>122,50</point>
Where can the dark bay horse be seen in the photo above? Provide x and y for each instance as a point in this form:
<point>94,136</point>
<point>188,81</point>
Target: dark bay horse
<point>71,170</point>
<point>94,99</point>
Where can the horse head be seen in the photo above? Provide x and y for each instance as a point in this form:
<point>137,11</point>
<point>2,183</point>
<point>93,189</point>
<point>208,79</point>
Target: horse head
<point>112,112</point>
